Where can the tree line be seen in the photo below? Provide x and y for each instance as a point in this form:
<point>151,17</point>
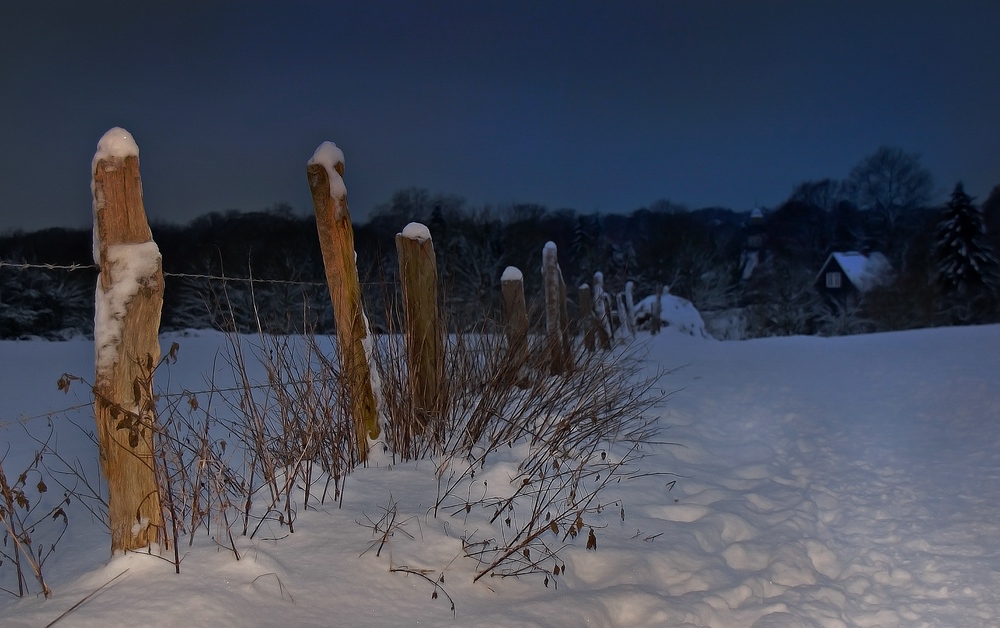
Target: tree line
<point>944,269</point>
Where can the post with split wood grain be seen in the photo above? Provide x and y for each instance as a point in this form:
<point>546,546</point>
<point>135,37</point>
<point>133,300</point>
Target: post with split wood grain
<point>424,334</point>
<point>655,316</point>
<point>587,316</point>
<point>128,304</point>
<point>556,317</point>
<point>515,312</point>
<point>602,312</point>
<point>325,171</point>
<point>629,307</point>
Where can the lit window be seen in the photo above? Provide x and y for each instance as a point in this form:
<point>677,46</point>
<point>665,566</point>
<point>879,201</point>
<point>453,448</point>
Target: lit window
<point>833,280</point>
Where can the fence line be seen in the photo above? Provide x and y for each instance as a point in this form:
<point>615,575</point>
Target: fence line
<point>162,394</point>
<point>75,267</point>
<point>26,266</point>
<point>24,420</point>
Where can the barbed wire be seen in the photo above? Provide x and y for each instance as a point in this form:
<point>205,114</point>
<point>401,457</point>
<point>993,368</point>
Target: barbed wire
<point>160,394</point>
<point>292,282</point>
<point>76,267</point>
<point>27,266</point>
<point>24,420</point>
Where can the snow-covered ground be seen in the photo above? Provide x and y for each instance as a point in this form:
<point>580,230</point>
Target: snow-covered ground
<point>849,481</point>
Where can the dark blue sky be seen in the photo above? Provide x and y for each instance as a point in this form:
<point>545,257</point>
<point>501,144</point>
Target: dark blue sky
<point>599,106</point>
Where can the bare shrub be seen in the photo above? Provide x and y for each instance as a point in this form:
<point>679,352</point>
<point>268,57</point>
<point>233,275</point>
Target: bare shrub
<point>562,429</point>
<point>31,526</point>
<point>237,456</point>
<point>844,319</point>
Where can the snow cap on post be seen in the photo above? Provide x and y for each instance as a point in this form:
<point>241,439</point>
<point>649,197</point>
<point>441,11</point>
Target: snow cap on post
<point>548,253</point>
<point>117,142</point>
<point>115,145</point>
<point>512,273</point>
<point>416,231</point>
<point>332,159</point>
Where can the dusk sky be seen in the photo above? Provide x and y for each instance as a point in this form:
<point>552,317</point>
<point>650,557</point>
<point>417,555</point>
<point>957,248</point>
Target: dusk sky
<point>597,106</point>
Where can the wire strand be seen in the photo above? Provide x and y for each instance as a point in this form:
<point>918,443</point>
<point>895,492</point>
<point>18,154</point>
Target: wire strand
<point>75,267</point>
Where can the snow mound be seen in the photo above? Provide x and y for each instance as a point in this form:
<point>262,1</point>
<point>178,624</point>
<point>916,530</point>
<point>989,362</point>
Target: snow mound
<point>727,324</point>
<point>675,313</point>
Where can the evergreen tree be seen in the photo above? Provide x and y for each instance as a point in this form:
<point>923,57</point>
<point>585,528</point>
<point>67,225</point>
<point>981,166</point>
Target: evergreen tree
<point>966,266</point>
<point>585,251</point>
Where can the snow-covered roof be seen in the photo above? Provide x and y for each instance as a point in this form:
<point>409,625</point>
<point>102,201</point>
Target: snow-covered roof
<point>863,271</point>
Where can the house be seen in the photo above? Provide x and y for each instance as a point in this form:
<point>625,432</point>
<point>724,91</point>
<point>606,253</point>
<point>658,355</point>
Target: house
<point>845,277</point>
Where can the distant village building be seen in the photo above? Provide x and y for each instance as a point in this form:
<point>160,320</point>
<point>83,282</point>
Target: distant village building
<point>753,249</point>
<point>845,277</point>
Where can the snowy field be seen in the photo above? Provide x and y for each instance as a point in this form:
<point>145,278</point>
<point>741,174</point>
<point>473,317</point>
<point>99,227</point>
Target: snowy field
<point>821,482</point>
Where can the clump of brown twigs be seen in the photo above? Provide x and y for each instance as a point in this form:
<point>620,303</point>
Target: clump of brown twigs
<point>32,525</point>
<point>572,435</point>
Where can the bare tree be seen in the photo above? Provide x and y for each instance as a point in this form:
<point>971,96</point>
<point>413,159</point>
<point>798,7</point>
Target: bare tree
<point>888,183</point>
<point>825,194</point>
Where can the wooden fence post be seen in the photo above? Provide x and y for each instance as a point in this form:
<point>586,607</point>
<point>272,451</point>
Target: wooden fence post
<point>514,309</point>
<point>654,319</point>
<point>586,316</point>
<point>629,311</point>
<point>325,172</point>
<point>556,317</point>
<point>126,323</point>
<point>424,335</point>
<point>601,312</point>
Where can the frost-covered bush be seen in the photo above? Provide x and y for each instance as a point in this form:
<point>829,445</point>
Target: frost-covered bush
<point>36,302</point>
<point>675,312</point>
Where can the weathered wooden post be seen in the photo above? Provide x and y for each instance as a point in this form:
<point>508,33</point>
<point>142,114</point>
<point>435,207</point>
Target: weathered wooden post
<point>567,338</point>
<point>655,317</point>
<point>424,335</point>
<point>126,323</point>
<point>586,316</point>
<point>620,309</point>
<point>515,311</point>
<point>629,313</point>
<point>601,312</point>
<point>556,317</point>
<point>325,171</point>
